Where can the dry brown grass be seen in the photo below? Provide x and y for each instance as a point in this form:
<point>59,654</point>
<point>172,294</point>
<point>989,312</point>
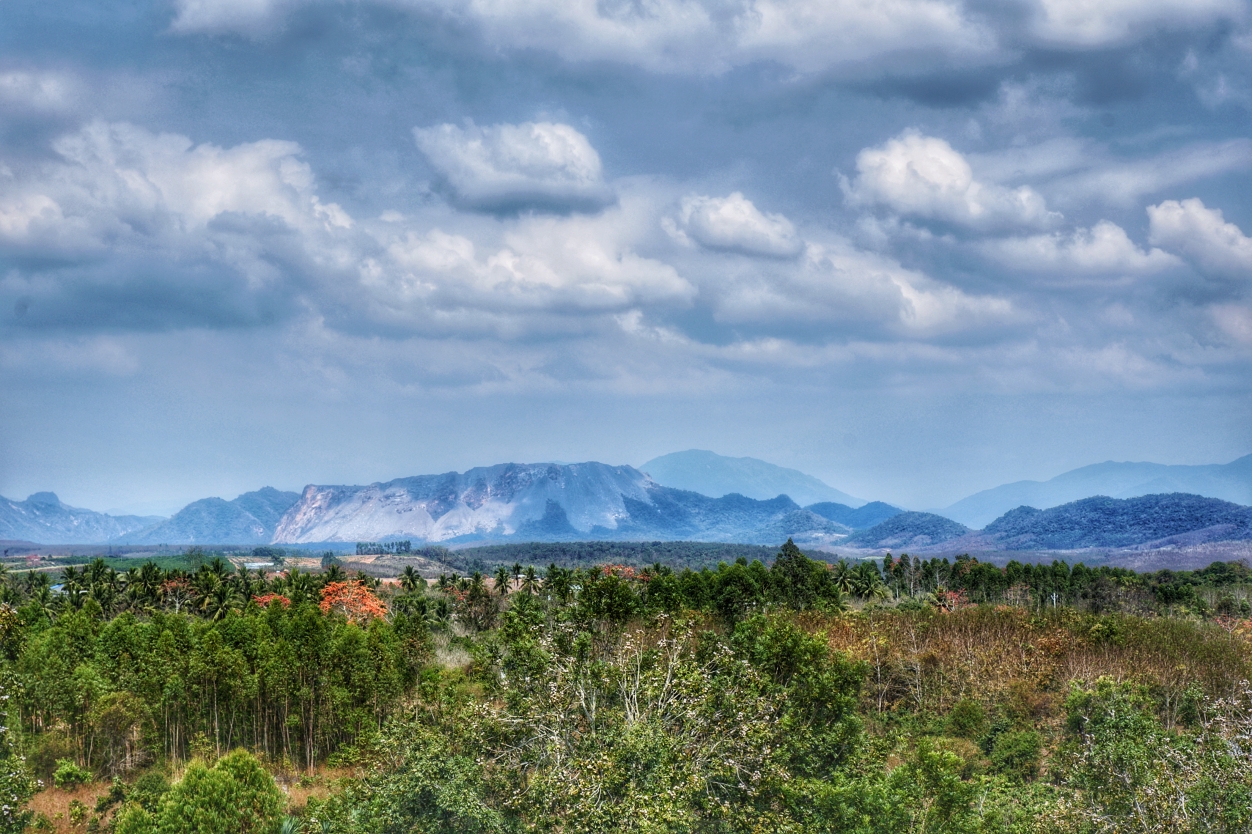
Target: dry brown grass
<point>54,803</point>
<point>928,661</point>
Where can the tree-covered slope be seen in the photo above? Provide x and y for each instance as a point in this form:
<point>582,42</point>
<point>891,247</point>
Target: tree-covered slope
<point>1111,522</point>
<point>908,530</point>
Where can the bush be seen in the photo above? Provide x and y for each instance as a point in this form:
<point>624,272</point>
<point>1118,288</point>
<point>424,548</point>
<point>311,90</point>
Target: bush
<point>69,774</point>
<point>1017,755</point>
<point>967,719</point>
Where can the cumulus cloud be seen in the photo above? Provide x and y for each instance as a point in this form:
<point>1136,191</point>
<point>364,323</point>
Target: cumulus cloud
<point>164,230</point>
<point>925,177</point>
<point>836,283</point>
<point>544,263</point>
<point>1103,249</point>
<point>734,224</point>
<point>1203,236</point>
<point>536,165</point>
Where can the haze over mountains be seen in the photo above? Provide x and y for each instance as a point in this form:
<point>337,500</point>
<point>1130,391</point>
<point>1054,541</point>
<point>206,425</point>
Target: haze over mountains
<point>708,473</point>
<point>1230,482</point>
<point>43,518</point>
<point>570,502</point>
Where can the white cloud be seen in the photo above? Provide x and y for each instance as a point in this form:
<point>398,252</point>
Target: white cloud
<point>734,223</point>
<point>529,165</point>
<point>1080,23</point>
<point>1102,249</point>
<point>167,230</point>
<point>219,16</point>
<point>545,263</point>
<point>836,283</point>
<point>712,36</point>
<point>1203,236</point>
<point>1124,183</point>
<point>36,90</point>
<point>923,176</point>
<point>120,183</point>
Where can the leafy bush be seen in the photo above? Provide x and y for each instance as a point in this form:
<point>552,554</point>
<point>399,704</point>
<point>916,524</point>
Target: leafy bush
<point>1017,754</point>
<point>68,774</point>
<point>967,719</point>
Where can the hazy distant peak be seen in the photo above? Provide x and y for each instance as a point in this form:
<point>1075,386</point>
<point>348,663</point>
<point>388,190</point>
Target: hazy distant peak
<point>45,498</point>
<point>1229,482</point>
<point>708,473</point>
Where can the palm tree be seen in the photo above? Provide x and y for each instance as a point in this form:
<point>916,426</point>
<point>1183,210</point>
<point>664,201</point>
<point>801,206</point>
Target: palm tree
<point>410,580</point>
<point>502,581</point>
<point>530,580</point>
<point>845,581</point>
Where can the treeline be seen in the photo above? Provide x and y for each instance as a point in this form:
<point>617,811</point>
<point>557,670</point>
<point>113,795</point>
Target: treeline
<point>113,671</point>
<point>675,555</point>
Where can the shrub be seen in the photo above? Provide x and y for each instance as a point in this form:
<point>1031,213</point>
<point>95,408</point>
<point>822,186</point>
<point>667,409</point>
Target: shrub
<point>967,719</point>
<point>68,774</point>
<point>1017,754</point>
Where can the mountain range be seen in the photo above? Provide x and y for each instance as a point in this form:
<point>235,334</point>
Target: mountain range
<point>43,518</point>
<point>1230,482</point>
<point>251,518</point>
<point>570,502</point>
<point>1158,521</point>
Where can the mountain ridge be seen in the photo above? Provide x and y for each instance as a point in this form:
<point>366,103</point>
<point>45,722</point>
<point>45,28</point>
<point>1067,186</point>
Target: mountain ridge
<point>1226,481</point>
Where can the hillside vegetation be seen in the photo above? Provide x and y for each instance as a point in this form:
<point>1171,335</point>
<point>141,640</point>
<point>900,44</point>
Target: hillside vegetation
<point>906,695</point>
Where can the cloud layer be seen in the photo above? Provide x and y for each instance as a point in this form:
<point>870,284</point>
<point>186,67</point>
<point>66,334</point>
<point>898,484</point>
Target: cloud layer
<point>957,237</point>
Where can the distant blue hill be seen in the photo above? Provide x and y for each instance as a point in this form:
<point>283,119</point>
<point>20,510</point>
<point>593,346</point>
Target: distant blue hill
<point>1110,522</point>
<point>1229,482</point>
<point>1098,522</point>
<point>249,519</point>
<point>860,518</point>
<point>43,518</point>
<point>707,473</point>
<point>907,530</point>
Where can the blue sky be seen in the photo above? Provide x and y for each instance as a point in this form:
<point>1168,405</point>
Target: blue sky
<point>914,247</point>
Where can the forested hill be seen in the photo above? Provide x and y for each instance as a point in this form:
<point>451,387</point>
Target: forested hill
<point>1100,522</point>
<point>1110,522</point>
<point>677,555</point>
<point>908,530</point>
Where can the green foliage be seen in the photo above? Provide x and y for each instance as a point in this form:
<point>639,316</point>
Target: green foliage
<point>233,796</point>
<point>1017,754</point>
<point>967,719</point>
<point>69,774</point>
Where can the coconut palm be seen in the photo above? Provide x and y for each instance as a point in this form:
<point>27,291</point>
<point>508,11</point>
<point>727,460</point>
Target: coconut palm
<point>502,581</point>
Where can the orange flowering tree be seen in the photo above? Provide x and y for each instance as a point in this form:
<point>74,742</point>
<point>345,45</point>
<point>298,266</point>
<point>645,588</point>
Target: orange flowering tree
<point>352,599</point>
<point>264,600</point>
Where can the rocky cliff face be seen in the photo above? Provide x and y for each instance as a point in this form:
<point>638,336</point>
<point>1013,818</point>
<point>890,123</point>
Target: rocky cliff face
<point>487,502</point>
<point>42,518</point>
<point>542,502</point>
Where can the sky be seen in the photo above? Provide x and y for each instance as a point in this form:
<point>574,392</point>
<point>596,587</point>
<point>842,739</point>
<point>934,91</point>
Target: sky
<point>916,248</point>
